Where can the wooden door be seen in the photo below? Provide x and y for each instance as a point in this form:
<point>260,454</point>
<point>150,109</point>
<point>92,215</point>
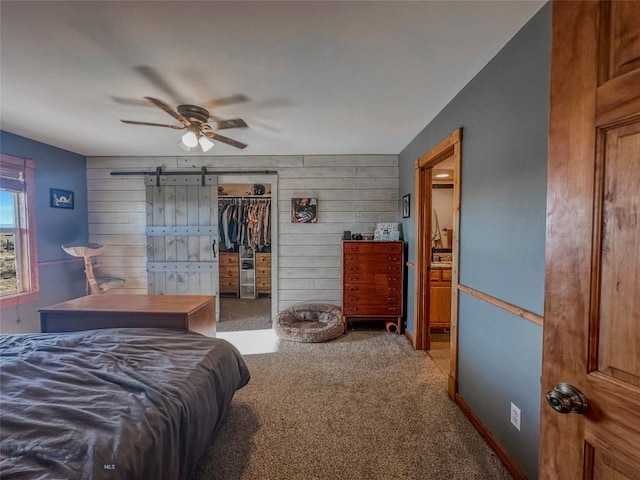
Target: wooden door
<point>592,293</point>
<point>182,235</point>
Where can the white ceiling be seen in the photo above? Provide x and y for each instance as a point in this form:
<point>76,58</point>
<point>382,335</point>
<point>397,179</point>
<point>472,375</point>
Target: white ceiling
<point>322,77</point>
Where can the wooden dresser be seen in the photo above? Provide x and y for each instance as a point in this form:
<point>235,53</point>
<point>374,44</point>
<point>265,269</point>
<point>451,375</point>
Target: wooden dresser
<point>229,278</point>
<point>440,298</point>
<point>263,273</point>
<point>372,280</point>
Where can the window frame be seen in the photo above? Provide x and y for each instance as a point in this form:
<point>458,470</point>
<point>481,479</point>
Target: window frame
<point>25,237</point>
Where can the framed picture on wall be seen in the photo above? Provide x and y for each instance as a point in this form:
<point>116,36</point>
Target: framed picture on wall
<point>304,210</point>
<point>60,198</point>
<point>406,206</point>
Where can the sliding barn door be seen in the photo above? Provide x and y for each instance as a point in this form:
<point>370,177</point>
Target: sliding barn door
<point>182,235</point>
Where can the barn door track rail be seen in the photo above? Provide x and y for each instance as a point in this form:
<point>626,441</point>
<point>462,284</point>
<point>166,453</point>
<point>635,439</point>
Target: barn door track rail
<point>205,175</point>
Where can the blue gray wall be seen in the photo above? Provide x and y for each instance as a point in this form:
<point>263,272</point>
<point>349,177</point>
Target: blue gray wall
<point>503,112</point>
<point>59,281</point>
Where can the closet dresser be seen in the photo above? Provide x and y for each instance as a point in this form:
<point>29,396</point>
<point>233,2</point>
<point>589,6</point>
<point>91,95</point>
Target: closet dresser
<point>372,281</point>
<point>263,273</point>
<point>229,278</point>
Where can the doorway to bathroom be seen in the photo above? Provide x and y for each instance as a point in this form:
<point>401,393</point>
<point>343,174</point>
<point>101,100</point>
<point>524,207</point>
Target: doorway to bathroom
<point>437,246</point>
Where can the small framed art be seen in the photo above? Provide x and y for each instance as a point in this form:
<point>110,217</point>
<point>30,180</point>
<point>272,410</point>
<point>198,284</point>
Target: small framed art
<point>60,198</point>
<point>406,206</point>
<point>304,210</point>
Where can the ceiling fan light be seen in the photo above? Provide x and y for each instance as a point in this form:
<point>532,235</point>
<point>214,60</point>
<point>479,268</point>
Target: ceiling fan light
<point>190,139</point>
<point>205,143</point>
<point>182,146</point>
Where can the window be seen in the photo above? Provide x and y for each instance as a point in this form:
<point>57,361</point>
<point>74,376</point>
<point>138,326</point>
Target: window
<point>18,260</point>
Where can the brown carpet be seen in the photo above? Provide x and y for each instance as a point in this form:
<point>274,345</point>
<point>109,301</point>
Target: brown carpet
<point>241,314</point>
<point>364,406</point>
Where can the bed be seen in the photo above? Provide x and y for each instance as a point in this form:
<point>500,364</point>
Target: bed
<point>118,403</point>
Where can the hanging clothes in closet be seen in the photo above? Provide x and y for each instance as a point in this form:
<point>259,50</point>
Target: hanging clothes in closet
<point>244,221</point>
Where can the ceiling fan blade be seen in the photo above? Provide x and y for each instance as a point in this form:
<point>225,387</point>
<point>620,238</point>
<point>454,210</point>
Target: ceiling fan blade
<point>264,125</point>
<point>221,102</point>
<point>227,140</point>
<point>231,123</point>
<point>156,79</point>
<point>134,122</point>
<point>169,110</point>
<point>136,102</point>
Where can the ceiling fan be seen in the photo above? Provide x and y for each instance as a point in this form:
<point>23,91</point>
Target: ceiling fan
<point>194,120</point>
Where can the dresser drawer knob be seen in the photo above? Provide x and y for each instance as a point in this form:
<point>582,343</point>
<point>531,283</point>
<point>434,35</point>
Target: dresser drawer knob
<point>392,279</point>
<point>393,309</point>
<point>393,289</point>
<point>353,289</point>
<point>391,299</point>
<point>353,279</point>
<point>353,299</point>
<point>353,268</point>
<point>393,269</point>
<point>353,309</point>
<point>353,257</point>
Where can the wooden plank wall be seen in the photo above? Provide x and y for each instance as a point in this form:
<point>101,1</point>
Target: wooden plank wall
<point>354,192</point>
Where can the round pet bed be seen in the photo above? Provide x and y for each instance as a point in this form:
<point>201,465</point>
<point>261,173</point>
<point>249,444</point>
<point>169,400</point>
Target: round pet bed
<point>309,322</point>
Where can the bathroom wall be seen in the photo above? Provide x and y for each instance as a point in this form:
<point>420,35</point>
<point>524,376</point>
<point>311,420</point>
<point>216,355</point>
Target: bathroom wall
<point>503,113</point>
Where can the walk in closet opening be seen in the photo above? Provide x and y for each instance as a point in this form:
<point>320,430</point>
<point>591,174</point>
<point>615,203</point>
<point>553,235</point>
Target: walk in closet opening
<point>246,226</point>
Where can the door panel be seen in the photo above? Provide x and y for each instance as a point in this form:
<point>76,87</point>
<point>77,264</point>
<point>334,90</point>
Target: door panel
<point>592,285</point>
<point>610,468</point>
<point>619,292</point>
<point>620,34</point>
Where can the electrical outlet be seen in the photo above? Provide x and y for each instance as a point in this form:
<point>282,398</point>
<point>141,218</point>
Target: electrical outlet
<point>515,416</point>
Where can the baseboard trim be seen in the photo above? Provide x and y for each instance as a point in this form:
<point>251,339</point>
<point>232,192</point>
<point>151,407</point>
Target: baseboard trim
<point>407,334</point>
<point>488,437</point>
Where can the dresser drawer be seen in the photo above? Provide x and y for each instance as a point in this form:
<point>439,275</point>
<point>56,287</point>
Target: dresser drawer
<point>229,285</point>
<point>360,298</point>
<point>372,247</point>
<point>440,275</point>
<point>369,309</point>
<point>263,259</point>
<point>373,266</point>
<point>262,271</point>
<point>355,258</point>
<point>360,278</point>
<point>263,286</point>
<point>228,271</point>
<point>389,288</point>
<point>228,258</point>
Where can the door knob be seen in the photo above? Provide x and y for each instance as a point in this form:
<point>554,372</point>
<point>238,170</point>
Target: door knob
<point>565,398</point>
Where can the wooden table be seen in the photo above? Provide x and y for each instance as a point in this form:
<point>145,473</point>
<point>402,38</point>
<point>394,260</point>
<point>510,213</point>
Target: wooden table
<point>186,312</point>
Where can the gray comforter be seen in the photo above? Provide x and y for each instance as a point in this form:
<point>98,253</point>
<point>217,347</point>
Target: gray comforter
<point>112,404</point>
